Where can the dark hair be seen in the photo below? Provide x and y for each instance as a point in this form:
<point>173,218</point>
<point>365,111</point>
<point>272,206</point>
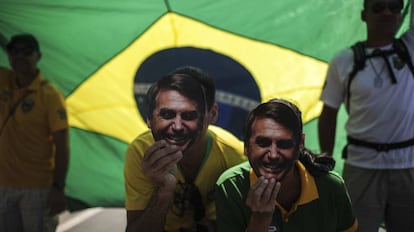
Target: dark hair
<point>27,39</point>
<point>288,115</point>
<point>366,3</point>
<point>184,84</point>
<point>282,111</point>
<point>205,80</point>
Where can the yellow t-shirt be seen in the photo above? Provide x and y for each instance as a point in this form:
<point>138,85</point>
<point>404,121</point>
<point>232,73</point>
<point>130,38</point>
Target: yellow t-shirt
<point>26,146</point>
<point>225,152</point>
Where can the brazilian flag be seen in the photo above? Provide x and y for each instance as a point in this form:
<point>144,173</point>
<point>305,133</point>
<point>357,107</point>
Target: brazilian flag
<point>103,55</point>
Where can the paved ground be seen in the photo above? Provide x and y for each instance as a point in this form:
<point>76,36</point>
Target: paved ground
<point>97,219</point>
<point>93,219</point>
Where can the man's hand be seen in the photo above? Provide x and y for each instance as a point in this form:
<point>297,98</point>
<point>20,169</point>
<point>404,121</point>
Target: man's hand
<point>262,195</point>
<point>261,201</point>
<point>159,164</point>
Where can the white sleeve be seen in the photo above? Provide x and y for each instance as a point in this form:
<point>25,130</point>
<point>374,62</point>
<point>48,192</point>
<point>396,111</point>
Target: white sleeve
<point>333,91</point>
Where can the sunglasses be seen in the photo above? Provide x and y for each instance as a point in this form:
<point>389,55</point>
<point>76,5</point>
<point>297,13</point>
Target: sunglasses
<point>26,51</point>
<point>394,7</point>
<point>188,197</point>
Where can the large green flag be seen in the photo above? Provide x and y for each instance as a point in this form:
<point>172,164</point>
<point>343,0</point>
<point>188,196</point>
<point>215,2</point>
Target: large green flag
<point>104,54</point>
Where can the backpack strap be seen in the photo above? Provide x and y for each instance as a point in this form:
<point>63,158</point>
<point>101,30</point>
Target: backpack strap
<point>13,110</point>
<point>359,63</point>
<point>402,51</point>
<point>358,50</point>
<point>360,56</point>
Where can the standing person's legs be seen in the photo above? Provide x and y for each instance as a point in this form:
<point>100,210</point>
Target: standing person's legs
<point>399,216</point>
<point>10,218</point>
<point>33,207</point>
<point>50,223</point>
<point>368,191</point>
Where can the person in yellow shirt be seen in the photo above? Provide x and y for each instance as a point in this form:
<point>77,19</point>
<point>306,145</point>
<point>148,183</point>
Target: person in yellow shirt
<point>33,142</point>
<point>171,170</point>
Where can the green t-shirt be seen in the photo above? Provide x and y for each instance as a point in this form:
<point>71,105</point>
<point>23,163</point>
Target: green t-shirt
<point>323,206</point>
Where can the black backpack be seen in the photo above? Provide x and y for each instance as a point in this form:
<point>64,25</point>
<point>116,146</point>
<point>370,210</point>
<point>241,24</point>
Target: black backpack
<point>360,58</point>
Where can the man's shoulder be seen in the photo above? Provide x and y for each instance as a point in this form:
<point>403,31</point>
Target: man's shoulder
<point>236,173</point>
<point>330,180</point>
<point>223,137</point>
<point>47,87</point>
<point>136,148</point>
<point>344,55</point>
<point>227,146</point>
<point>143,139</point>
<point>5,74</point>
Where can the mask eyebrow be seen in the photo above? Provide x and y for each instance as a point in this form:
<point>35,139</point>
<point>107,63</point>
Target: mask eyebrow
<point>281,143</point>
<point>189,115</point>
<point>167,113</point>
<point>285,143</point>
<point>185,115</point>
<point>263,141</point>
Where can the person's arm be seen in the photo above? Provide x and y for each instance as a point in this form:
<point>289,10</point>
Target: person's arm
<point>159,166</point>
<point>259,222</point>
<point>327,129</point>
<point>154,215</point>
<point>57,195</point>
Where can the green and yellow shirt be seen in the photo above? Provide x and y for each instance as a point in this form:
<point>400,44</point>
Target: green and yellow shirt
<point>323,206</point>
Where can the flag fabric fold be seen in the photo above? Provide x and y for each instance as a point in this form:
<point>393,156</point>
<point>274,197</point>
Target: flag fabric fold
<point>103,55</point>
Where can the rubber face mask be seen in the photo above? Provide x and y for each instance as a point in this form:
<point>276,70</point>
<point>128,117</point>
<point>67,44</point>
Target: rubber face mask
<point>271,150</point>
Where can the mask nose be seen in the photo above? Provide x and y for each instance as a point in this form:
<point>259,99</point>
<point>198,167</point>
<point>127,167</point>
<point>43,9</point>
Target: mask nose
<point>273,154</point>
<point>177,124</point>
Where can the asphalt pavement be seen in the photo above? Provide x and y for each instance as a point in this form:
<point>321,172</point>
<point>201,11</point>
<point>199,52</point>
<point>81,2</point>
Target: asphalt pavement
<point>93,219</point>
<point>97,219</point>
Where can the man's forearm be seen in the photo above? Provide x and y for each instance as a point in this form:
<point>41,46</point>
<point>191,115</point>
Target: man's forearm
<point>327,129</point>
<point>61,158</point>
<point>152,219</point>
<point>326,138</point>
<point>259,222</point>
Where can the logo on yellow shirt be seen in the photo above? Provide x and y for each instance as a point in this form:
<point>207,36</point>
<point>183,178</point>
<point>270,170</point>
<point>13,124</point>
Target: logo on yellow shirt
<point>27,105</point>
<point>62,114</point>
